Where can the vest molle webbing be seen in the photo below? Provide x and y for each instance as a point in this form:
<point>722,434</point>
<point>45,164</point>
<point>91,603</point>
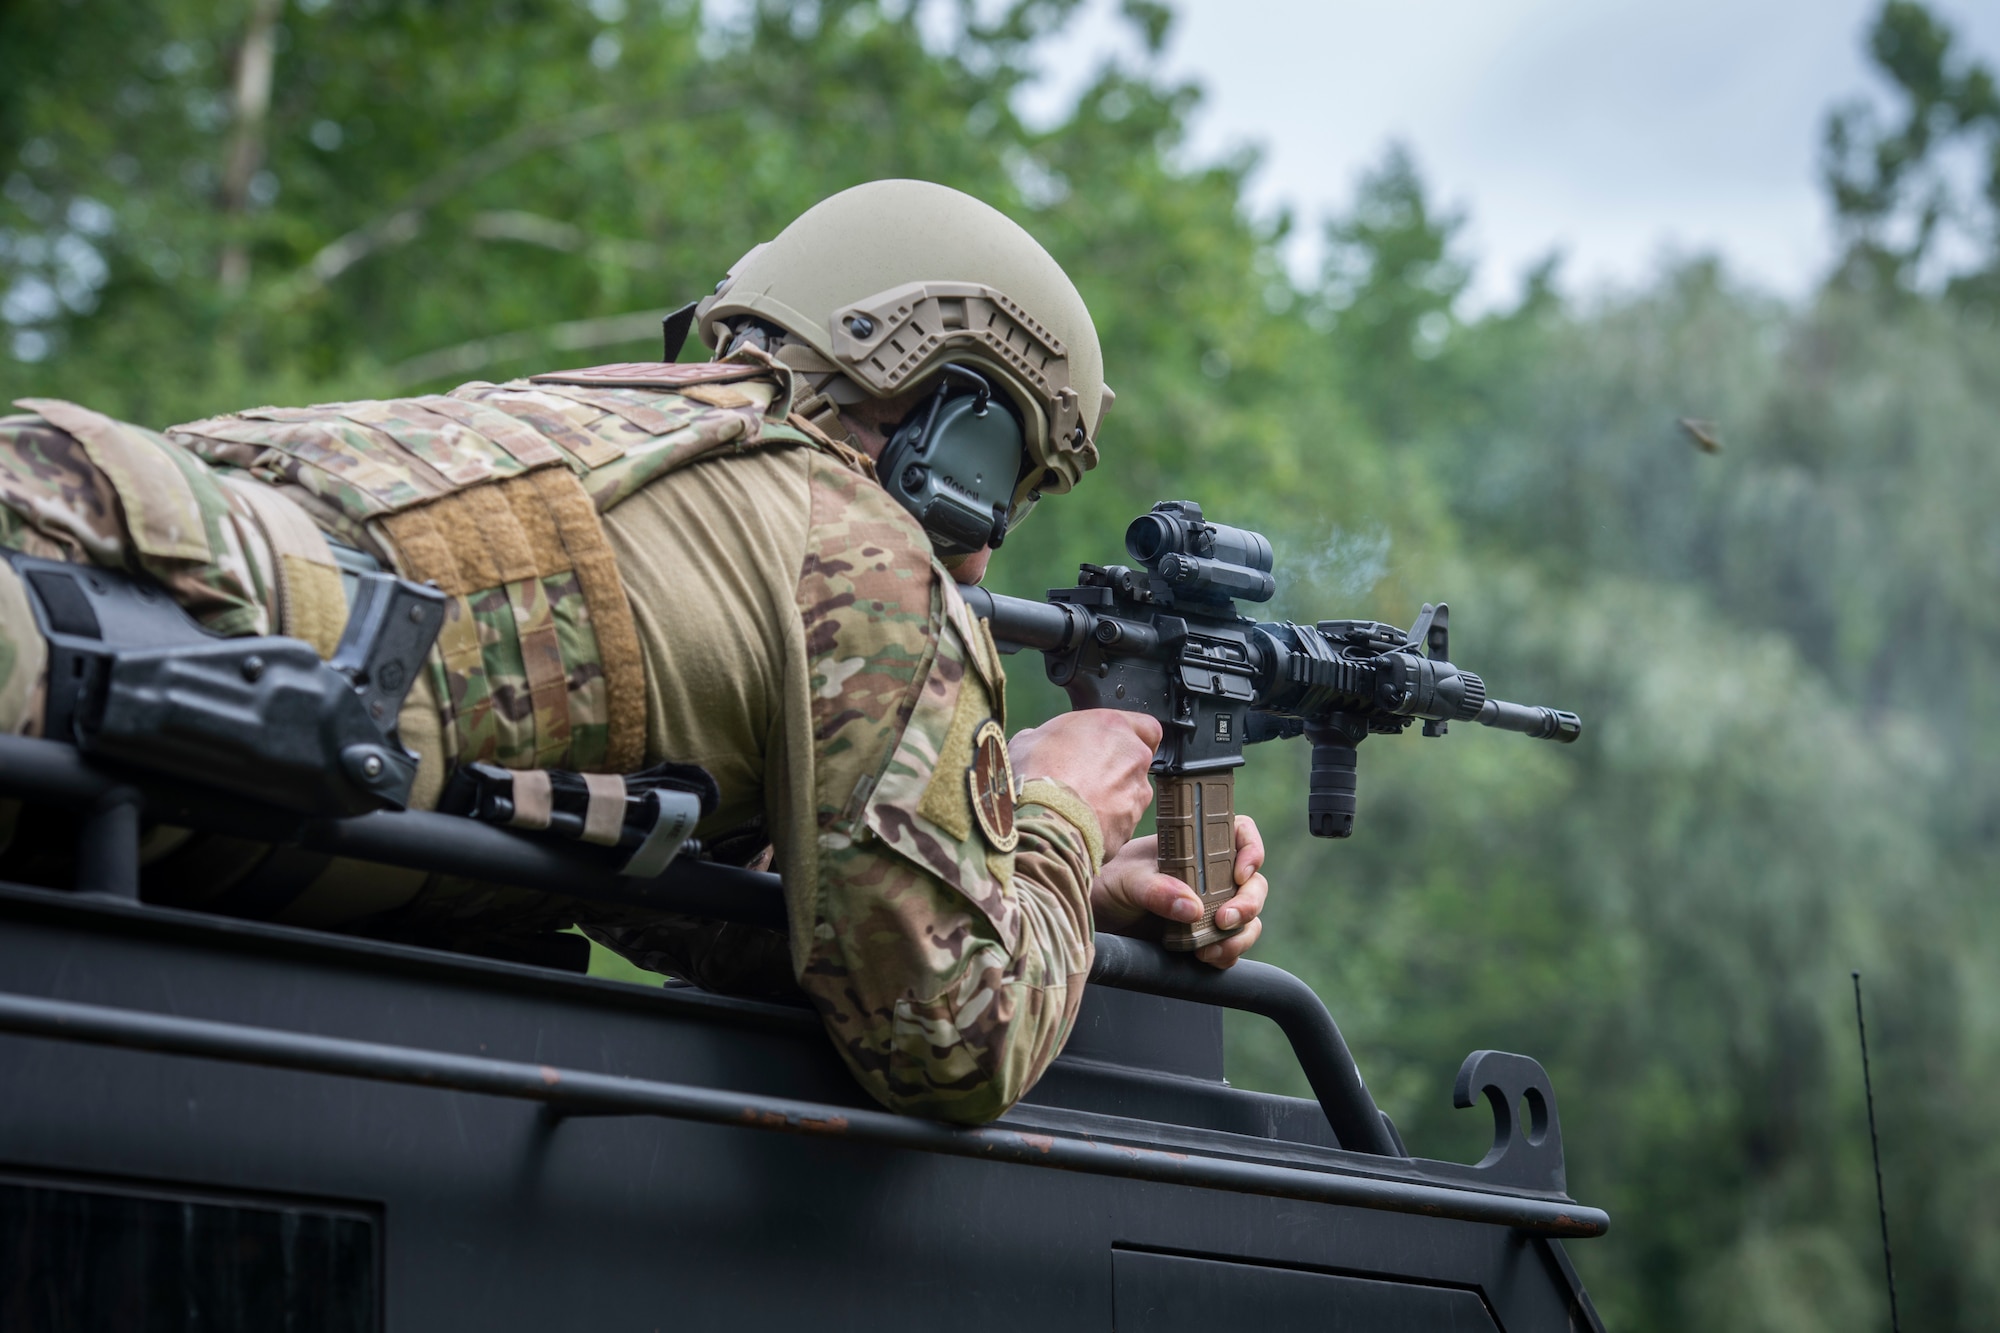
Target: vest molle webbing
<point>493,492</point>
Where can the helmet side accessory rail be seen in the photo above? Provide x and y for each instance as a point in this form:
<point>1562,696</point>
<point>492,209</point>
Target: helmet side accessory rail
<point>891,340</point>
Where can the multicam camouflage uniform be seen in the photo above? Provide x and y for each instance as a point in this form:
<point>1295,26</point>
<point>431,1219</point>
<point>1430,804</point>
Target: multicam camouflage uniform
<point>788,626</point>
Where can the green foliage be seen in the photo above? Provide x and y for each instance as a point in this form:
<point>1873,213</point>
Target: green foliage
<point>1894,188</point>
<point>1785,650</point>
<point>1781,778</point>
<point>435,175</point>
<point>1387,294</point>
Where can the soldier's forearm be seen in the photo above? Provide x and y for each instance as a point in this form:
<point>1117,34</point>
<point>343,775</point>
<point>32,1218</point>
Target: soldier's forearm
<point>935,1009</point>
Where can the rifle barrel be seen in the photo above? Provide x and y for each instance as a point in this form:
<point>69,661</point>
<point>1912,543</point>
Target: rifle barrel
<point>1546,724</point>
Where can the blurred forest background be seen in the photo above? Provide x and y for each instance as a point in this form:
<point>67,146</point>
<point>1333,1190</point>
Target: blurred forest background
<point>1753,542</point>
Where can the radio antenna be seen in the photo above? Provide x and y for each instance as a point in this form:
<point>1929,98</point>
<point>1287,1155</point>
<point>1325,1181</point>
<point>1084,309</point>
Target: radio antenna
<point>1875,1147</point>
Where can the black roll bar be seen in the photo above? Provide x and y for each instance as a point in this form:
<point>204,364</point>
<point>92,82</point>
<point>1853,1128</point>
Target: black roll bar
<point>576,1093</point>
<point>55,773</point>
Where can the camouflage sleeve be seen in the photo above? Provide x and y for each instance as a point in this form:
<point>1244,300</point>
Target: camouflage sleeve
<point>24,659</point>
<point>944,940</point>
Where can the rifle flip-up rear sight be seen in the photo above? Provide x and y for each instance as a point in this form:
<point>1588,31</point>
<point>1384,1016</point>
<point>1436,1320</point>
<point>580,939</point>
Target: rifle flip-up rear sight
<point>1166,639</point>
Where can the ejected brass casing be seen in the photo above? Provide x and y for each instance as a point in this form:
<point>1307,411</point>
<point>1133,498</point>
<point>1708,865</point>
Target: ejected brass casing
<point>1196,817</point>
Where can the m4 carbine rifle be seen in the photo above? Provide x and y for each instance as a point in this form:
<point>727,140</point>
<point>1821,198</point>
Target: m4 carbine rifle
<point>1166,639</point>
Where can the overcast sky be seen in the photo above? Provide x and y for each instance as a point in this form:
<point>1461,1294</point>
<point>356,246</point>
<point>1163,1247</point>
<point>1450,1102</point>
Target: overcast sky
<point>1613,129</point>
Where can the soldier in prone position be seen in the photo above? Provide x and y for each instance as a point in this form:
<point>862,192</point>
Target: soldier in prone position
<point>749,565</point>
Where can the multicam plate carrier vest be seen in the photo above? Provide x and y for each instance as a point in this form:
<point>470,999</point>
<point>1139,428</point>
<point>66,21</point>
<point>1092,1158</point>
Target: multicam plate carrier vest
<point>942,929</point>
<point>491,491</point>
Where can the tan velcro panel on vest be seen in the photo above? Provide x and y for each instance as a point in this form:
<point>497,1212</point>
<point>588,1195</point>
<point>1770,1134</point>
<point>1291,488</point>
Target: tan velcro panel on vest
<point>312,605</point>
<point>509,554</point>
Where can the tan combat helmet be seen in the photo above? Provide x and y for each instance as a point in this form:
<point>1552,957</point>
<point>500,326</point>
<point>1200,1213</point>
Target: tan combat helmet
<point>881,285</point>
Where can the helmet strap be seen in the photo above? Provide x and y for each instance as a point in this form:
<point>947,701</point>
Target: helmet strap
<point>823,415</point>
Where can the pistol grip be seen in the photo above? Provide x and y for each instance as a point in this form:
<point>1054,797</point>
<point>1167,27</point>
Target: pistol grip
<point>1196,819</point>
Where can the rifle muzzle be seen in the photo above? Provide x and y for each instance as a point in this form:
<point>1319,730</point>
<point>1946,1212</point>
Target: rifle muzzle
<point>1544,724</point>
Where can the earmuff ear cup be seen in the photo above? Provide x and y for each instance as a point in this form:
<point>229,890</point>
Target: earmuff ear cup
<point>953,464</point>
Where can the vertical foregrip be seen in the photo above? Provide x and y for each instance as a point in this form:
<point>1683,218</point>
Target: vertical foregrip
<point>1196,817</point>
<point>1330,800</point>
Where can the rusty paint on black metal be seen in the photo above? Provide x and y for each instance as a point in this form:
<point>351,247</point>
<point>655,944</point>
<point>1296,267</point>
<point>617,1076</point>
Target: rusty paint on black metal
<point>600,1094</point>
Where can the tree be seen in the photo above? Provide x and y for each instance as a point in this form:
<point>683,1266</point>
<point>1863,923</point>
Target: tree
<point>1903,205</point>
<point>1386,296</point>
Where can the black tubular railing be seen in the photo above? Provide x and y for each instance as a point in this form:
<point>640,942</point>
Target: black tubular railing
<point>1273,993</point>
<point>46,771</point>
<point>575,1093</point>
<point>107,862</point>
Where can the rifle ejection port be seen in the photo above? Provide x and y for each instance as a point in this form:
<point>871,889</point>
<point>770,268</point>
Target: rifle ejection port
<point>1224,685</point>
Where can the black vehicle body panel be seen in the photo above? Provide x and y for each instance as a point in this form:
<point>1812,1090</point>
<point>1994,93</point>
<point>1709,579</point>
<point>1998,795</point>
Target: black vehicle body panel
<point>494,1213</point>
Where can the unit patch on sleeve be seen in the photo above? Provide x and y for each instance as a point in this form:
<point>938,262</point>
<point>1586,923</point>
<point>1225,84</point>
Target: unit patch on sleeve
<point>991,778</point>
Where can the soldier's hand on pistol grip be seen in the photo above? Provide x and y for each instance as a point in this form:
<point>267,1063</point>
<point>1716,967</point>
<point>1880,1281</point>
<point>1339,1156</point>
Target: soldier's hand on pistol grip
<point>1130,892</point>
<point>1103,756</point>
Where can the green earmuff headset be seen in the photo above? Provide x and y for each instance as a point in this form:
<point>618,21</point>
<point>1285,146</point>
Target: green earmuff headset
<point>955,461</point>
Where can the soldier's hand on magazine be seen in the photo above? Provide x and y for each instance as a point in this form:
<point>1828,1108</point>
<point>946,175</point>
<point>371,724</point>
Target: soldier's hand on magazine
<point>1131,897</point>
